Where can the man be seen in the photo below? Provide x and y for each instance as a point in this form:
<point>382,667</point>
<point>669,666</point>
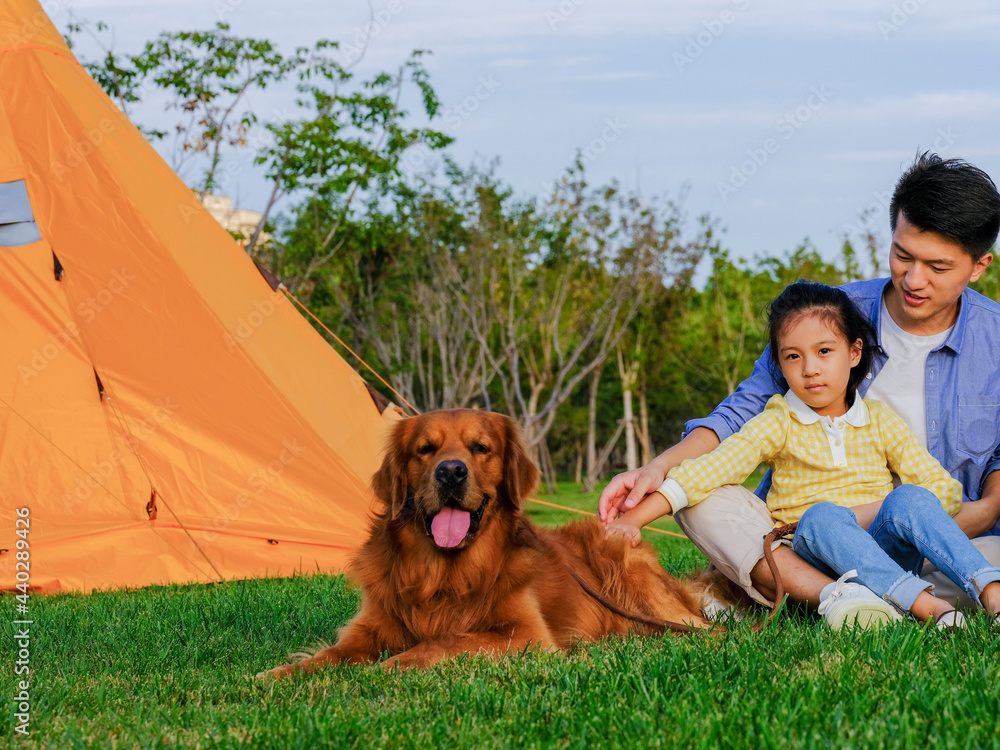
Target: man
<point>940,370</point>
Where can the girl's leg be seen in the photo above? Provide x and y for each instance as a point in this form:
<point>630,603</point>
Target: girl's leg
<point>829,538</point>
<point>912,525</point>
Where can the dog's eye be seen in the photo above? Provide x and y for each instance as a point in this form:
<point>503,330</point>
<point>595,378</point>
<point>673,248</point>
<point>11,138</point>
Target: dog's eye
<point>426,449</point>
<point>479,448</point>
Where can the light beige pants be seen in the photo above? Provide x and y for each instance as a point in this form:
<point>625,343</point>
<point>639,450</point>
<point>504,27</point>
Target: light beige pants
<point>729,527</point>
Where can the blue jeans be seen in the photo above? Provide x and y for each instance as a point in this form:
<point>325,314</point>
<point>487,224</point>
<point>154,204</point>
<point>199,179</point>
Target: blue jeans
<point>910,525</point>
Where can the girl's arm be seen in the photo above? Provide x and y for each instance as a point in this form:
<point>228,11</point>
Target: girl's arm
<point>730,463</point>
<point>910,460</point>
<point>653,506</point>
<point>758,441</point>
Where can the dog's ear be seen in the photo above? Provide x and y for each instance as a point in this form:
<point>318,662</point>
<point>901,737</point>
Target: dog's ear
<point>520,475</point>
<point>389,482</point>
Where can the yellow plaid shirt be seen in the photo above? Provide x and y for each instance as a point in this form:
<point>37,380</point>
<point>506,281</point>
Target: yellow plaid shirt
<point>807,472</point>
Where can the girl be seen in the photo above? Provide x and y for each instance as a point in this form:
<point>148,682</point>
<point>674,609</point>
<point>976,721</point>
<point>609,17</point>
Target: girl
<point>831,453</point>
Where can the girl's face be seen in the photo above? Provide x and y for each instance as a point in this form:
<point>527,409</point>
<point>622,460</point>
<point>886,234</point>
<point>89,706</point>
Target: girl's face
<point>816,360</point>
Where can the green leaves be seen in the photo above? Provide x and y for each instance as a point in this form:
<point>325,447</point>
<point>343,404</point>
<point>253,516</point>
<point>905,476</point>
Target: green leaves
<point>340,136</point>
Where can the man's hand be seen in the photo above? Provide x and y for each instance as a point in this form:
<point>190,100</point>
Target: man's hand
<point>977,517</point>
<point>626,490</point>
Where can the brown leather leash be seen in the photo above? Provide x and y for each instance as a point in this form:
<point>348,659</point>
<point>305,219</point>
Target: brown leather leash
<point>779,593</point>
<point>608,603</point>
<point>769,539</point>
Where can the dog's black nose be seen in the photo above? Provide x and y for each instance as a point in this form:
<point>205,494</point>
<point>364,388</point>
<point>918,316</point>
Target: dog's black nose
<point>451,473</point>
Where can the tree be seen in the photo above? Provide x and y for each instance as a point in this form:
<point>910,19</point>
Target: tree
<point>349,141</point>
<point>206,76</point>
<point>340,139</point>
<point>576,289</point>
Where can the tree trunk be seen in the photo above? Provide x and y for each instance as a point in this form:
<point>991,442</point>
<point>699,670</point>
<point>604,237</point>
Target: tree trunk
<point>647,444</point>
<point>595,379</point>
<point>631,454</point>
<point>591,481</point>
<point>548,470</point>
<point>628,378</point>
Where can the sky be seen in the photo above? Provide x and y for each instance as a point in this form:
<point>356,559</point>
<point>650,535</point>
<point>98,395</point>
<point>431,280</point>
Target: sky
<point>783,120</point>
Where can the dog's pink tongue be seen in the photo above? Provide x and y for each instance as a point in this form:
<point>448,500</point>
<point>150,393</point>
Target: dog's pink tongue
<point>450,526</point>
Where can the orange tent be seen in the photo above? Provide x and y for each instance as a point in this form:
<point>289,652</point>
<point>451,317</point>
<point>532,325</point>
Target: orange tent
<point>165,415</point>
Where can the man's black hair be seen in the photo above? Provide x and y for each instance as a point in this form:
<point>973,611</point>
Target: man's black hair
<point>950,197</point>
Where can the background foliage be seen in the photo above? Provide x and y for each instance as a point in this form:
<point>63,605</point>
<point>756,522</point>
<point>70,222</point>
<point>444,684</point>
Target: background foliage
<point>575,312</point>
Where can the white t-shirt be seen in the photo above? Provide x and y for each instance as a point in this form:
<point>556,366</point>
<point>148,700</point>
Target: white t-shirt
<point>900,383</point>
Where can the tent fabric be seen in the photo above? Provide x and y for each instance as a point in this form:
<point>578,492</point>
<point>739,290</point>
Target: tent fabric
<point>165,416</point>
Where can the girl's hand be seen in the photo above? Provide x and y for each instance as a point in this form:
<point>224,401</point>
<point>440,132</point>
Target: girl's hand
<point>621,528</point>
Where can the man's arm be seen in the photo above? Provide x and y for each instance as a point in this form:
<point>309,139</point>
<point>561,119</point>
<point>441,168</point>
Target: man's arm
<point>626,490</point>
<point>703,435</point>
<point>976,517</point>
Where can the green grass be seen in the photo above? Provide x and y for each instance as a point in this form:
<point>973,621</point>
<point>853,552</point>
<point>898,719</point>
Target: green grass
<point>172,666</point>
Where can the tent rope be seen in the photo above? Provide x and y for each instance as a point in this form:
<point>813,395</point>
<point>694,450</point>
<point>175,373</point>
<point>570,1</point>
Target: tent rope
<point>588,513</point>
<point>337,338</point>
<point>415,410</point>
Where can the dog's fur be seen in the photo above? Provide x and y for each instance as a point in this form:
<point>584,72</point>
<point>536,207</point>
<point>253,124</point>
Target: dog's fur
<point>506,585</point>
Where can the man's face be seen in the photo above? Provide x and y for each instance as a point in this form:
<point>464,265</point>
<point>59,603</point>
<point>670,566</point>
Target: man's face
<point>929,273</point>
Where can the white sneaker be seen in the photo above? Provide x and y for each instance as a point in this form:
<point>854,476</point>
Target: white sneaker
<point>953,620</point>
<point>853,605</point>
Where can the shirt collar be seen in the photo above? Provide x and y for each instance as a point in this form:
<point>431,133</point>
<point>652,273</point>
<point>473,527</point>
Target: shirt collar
<point>957,335</point>
<point>856,416</point>
<point>875,313</point>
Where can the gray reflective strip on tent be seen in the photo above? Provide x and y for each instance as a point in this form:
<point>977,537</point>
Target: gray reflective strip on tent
<point>17,222</point>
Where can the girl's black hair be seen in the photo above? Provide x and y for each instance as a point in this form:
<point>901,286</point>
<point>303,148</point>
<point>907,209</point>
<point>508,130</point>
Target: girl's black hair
<point>834,306</point>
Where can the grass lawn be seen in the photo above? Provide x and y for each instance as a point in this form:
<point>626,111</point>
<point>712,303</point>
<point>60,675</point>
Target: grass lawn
<point>169,667</point>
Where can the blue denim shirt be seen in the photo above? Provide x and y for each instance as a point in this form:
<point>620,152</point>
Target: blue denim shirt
<point>962,390</point>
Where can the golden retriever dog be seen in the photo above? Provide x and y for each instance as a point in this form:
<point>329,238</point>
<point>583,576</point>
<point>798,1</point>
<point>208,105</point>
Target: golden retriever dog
<point>453,566</point>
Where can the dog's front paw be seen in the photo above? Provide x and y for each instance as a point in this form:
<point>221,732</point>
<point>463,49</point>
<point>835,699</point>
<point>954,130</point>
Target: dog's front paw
<point>393,663</point>
<point>277,673</point>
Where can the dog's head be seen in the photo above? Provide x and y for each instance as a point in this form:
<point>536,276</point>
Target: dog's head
<point>455,466</point>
